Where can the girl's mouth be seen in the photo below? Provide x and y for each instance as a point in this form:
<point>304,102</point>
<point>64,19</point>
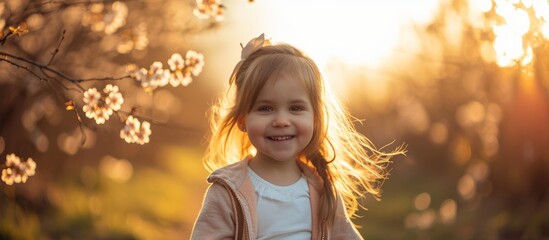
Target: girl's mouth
<point>280,138</point>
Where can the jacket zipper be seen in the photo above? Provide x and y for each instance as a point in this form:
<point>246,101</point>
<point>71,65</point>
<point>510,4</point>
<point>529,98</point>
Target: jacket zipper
<point>238,200</point>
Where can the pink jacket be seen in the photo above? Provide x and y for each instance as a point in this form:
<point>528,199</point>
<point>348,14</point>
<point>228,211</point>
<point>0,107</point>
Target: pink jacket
<point>229,208</point>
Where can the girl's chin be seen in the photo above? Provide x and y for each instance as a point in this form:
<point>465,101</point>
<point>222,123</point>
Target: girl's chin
<point>278,158</point>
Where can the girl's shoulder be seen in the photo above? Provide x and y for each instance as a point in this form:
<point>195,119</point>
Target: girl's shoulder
<point>234,173</point>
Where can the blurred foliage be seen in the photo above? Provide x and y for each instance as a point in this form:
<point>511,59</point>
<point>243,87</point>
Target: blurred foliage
<point>477,132</point>
<point>100,203</point>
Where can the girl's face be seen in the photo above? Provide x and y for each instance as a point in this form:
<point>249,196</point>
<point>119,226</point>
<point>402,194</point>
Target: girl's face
<point>280,123</point>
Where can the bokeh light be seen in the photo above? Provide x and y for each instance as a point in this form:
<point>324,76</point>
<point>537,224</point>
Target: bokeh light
<point>119,170</point>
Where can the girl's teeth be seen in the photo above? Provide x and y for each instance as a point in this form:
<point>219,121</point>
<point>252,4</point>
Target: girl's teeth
<point>281,138</point>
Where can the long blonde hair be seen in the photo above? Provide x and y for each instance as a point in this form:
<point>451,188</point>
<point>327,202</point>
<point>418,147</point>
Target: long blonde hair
<point>348,163</point>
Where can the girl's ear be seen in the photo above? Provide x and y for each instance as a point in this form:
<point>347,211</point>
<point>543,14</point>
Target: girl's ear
<point>241,125</point>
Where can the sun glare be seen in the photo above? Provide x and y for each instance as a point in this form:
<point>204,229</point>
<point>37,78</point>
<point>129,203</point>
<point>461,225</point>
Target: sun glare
<point>353,32</point>
<point>513,36</point>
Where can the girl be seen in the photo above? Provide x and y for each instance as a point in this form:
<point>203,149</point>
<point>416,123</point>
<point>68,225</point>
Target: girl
<point>287,161</point>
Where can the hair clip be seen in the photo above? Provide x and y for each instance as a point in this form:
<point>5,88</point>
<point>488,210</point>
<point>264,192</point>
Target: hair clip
<point>254,45</point>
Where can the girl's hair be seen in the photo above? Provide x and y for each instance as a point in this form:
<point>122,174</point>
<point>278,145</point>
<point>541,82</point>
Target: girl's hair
<point>348,163</point>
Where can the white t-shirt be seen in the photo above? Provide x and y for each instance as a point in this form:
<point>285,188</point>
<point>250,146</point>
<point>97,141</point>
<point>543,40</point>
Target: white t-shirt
<point>284,212</point>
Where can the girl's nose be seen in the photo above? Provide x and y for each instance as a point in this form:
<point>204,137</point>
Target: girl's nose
<point>281,120</point>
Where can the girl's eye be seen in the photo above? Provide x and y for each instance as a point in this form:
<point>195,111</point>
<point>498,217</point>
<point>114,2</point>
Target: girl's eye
<point>264,109</point>
<point>297,108</point>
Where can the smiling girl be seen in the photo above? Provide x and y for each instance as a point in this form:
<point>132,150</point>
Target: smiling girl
<point>287,161</point>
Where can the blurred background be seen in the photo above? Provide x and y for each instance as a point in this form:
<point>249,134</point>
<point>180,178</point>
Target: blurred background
<point>464,84</point>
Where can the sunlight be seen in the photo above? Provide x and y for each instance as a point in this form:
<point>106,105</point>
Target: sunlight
<point>353,32</point>
<point>513,42</point>
<point>482,5</point>
<point>351,41</point>
<point>541,9</point>
<point>509,36</point>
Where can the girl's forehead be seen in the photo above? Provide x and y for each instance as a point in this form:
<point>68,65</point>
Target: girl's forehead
<point>287,79</point>
<point>296,71</point>
<point>284,87</point>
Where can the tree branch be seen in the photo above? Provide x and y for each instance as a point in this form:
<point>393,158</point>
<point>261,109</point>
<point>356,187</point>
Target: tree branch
<point>3,40</point>
<point>57,48</point>
<point>46,68</point>
<point>23,67</point>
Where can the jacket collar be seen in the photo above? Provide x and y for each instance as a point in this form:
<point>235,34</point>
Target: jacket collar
<point>241,167</point>
<point>228,172</point>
